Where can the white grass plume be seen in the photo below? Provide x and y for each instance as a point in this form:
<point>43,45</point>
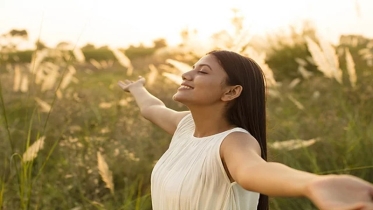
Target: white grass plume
<point>59,94</point>
<point>173,77</point>
<point>292,144</point>
<point>296,102</point>
<point>49,80</point>
<point>182,67</point>
<point>17,78</point>
<point>95,63</point>
<point>152,76</point>
<point>37,59</point>
<point>294,83</point>
<point>332,58</point>
<point>39,74</point>
<point>351,68</point>
<point>303,71</point>
<point>259,58</point>
<point>44,106</point>
<point>105,172</point>
<point>104,64</point>
<point>24,84</point>
<point>325,58</point>
<point>301,61</point>
<point>105,105</point>
<point>32,151</point>
<point>123,60</point>
<point>68,77</point>
<point>78,54</point>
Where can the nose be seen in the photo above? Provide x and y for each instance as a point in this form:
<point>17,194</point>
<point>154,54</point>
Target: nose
<point>187,75</point>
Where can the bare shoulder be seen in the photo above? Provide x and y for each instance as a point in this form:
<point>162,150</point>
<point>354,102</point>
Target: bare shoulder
<point>239,142</point>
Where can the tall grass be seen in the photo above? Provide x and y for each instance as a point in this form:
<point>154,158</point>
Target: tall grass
<point>75,141</point>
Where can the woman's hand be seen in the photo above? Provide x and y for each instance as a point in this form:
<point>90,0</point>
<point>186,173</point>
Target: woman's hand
<point>341,192</point>
<point>127,85</point>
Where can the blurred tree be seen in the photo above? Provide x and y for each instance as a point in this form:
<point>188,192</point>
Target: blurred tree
<point>89,46</point>
<point>40,45</point>
<point>18,33</point>
<point>159,43</point>
<point>9,41</point>
<point>104,47</point>
<point>63,45</point>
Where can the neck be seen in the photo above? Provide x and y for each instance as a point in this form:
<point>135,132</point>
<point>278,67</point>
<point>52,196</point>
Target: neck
<point>209,121</point>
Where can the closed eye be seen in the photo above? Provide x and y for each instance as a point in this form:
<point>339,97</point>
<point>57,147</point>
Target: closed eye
<point>202,72</point>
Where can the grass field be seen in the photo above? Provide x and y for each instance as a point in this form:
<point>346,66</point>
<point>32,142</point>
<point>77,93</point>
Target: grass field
<point>71,139</point>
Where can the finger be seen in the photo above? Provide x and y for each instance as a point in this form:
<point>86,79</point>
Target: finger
<point>122,85</point>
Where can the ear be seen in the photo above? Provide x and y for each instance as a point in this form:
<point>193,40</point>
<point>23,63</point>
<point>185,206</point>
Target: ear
<point>232,93</point>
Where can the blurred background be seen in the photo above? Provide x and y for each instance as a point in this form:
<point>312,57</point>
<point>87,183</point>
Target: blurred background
<point>71,139</point>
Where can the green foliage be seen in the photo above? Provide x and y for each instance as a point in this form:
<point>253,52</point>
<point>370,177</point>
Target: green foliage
<point>285,48</point>
<point>95,115</point>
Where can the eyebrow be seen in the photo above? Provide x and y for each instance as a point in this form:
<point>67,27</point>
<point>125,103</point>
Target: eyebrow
<point>203,64</point>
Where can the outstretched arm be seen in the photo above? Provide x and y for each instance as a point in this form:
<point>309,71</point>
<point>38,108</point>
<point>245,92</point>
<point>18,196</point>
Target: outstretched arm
<point>151,107</point>
<point>241,154</point>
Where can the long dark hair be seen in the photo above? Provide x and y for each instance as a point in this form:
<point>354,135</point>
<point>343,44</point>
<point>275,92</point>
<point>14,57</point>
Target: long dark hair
<point>248,111</point>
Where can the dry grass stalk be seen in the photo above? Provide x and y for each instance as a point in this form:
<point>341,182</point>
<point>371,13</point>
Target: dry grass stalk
<point>293,144</point>
<point>59,94</point>
<point>351,68</point>
<point>68,77</point>
<point>49,80</point>
<point>182,67</point>
<point>294,83</point>
<point>37,59</point>
<point>296,102</point>
<point>110,63</point>
<point>95,63</point>
<point>301,61</point>
<point>105,173</point>
<point>152,76</point>
<point>325,58</point>
<point>303,71</point>
<point>104,64</point>
<point>17,78</point>
<point>39,74</point>
<point>32,151</point>
<point>78,54</point>
<point>259,58</point>
<point>44,106</point>
<point>173,77</point>
<point>105,105</point>
<point>274,93</point>
<point>241,41</point>
<point>24,84</point>
<point>123,60</point>
<point>317,56</point>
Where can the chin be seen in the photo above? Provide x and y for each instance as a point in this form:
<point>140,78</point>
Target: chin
<point>178,98</point>
<point>175,97</point>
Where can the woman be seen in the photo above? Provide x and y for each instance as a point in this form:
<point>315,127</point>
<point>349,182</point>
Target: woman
<point>217,155</point>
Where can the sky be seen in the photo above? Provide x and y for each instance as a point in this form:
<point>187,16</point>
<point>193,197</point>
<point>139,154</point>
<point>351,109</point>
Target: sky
<point>122,23</point>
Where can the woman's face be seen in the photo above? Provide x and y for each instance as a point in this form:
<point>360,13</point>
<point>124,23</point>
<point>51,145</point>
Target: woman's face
<point>204,84</point>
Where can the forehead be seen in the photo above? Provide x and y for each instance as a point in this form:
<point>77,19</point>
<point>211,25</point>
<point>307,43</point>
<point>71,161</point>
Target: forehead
<point>211,61</point>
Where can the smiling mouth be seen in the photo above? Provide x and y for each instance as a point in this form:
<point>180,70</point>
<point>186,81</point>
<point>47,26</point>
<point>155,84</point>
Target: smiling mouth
<point>184,87</point>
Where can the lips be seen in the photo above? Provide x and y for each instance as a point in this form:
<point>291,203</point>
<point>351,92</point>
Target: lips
<point>185,86</point>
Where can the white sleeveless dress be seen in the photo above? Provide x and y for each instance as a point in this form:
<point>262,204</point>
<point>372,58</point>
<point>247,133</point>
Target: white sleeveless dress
<point>190,175</point>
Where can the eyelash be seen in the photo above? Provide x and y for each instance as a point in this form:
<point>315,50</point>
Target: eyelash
<point>202,72</point>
